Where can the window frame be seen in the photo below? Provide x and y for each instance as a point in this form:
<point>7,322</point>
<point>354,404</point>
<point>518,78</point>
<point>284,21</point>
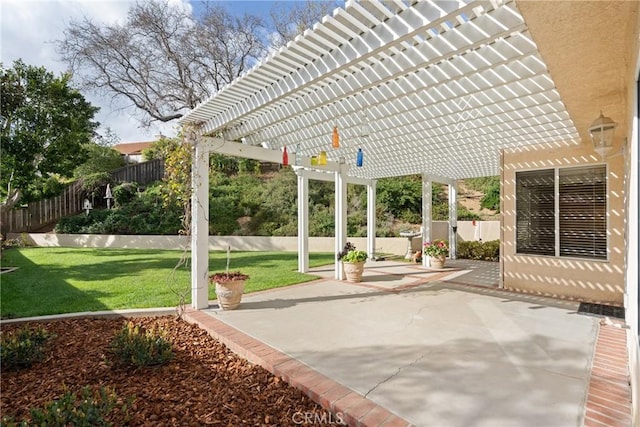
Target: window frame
<point>556,212</point>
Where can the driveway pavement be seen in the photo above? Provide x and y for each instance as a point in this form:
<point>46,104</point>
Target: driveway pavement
<point>437,348</point>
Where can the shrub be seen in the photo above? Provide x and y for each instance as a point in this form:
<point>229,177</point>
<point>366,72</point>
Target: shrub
<point>491,200</point>
<point>81,223</point>
<point>125,193</point>
<point>90,408</point>
<point>22,348</point>
<point>135,346</point>
<point>483,251</point>
<point>465,214</point>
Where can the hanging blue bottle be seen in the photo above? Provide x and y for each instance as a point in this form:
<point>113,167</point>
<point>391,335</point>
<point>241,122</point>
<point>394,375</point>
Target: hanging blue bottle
<point>359,158</point>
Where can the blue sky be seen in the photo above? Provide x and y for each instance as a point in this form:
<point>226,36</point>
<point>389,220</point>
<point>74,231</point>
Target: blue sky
<point>28,29</point>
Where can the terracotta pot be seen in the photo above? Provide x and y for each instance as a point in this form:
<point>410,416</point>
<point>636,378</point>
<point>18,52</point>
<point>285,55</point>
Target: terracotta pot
<point>353,271</point>
<point>437,262</point>
<point>229,294</point>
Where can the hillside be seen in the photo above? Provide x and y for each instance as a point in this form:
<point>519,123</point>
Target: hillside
<point>263,203</point>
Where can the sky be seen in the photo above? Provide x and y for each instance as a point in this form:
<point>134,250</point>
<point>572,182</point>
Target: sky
<point>29,29</point>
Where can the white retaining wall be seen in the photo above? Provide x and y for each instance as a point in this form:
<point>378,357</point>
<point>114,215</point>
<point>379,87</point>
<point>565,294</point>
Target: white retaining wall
<point>485,230</point>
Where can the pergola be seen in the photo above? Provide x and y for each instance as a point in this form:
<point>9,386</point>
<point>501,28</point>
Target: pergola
<point>437,88</point>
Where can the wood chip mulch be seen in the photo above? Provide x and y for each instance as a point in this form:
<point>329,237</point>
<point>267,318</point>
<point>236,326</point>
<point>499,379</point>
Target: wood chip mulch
<point>204,384</point>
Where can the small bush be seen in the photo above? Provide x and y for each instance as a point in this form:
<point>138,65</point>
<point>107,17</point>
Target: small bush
<point>90,408</point>
<point>81,223</point>
<point>135,346</point>
<point>22,348</point>
<point>125,193</point>
<point>483,251</point>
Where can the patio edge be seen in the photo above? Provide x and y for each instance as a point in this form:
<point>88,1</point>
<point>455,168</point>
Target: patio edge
<point>347,405</point>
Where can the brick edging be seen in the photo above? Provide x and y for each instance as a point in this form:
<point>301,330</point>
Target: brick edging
<point>354,409</point>
<point>609,393</point>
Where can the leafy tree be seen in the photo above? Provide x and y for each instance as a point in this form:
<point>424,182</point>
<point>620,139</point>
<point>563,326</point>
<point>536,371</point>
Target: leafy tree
<point>401,194</point>
<point>99,159</point>
<point>44,128</point>
<point>491,199</point>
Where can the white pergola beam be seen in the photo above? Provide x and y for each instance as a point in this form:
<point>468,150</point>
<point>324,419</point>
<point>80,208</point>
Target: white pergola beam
<point>371,42</point>
<point>427,191</point>
<point>453,219</point>
<point>200,227</point>
<point>229,148</point>
<point>371,220</point>
<point>340,217</point>
<point>303,221</point>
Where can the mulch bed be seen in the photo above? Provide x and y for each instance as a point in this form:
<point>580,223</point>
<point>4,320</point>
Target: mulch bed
<point>205,383</point>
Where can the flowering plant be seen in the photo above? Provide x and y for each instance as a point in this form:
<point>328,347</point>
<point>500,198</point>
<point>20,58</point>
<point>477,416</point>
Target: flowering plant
<point>436,248</point>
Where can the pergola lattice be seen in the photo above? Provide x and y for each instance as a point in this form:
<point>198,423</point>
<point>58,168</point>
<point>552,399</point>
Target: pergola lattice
<point>441,86</point>
<point>436,88</point>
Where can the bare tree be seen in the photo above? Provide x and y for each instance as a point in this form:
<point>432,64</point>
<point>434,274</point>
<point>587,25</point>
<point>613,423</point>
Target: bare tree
<point>293,18</point>
<point>162,59</point>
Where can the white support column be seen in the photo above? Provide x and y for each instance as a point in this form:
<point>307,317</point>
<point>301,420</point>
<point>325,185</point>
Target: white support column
<point>200,227</point>
<point>427,190</point>
<point>340,216</point>
<point>371,219</point>
<point>303,221</point>
<point>453,219</point>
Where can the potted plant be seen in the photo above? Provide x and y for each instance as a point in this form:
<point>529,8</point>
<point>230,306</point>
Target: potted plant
<point>352,262</point>
<point>229,286</point>
<point>437,251</point>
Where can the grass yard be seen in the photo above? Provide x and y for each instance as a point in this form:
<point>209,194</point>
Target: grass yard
<point>67,280</point>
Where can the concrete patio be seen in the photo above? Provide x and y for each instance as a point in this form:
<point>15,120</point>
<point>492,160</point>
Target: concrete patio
<point>436,348</point>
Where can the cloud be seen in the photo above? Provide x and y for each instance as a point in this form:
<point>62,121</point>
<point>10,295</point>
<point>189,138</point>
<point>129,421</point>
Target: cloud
<point>29,29</point>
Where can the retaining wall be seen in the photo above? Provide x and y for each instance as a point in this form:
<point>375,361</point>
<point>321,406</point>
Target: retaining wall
<point>485,230</point>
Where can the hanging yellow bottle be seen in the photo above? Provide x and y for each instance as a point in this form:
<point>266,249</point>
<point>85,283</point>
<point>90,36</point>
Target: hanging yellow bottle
<point>322,158</point>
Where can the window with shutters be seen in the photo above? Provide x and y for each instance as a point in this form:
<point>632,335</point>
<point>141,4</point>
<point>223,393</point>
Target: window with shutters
<point>535,212</point>
<point>583,212</point>
<point>579,204</point>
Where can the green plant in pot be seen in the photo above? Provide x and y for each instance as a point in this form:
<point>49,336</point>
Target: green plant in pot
<point>229,286</point>
<point>352,262</point>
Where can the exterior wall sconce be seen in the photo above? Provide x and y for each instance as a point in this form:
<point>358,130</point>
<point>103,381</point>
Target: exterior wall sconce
<point>601,131</point>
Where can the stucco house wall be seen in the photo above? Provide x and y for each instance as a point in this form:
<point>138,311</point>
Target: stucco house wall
<point>582,279</point>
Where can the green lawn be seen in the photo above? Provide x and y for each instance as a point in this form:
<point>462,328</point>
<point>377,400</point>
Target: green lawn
<point>67,280</point>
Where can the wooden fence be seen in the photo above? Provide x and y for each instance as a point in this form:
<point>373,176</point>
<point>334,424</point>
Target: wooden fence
<point>143,173</point>
<point>37,215</point>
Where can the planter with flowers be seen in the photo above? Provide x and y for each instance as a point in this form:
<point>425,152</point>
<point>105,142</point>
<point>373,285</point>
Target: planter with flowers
<point>352,262</point>
<point>437,251</point>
